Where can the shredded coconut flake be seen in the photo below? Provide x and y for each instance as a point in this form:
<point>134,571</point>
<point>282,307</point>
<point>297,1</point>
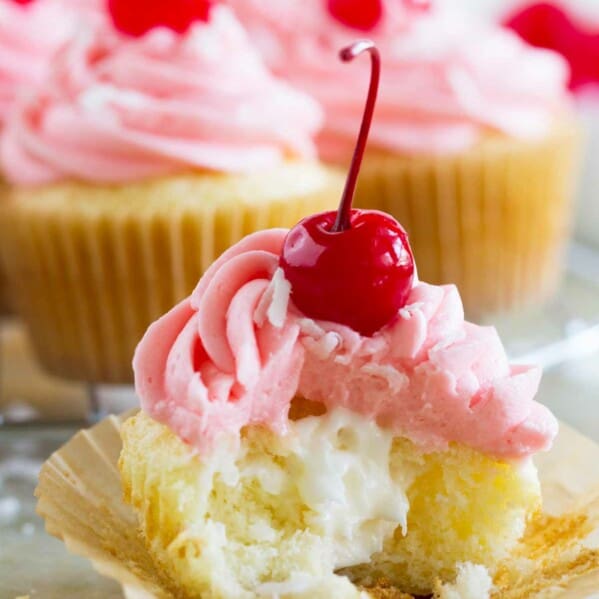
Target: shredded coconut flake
<point>397,380</point>
<point>324,346</point>
<point>275,301</point>
<point>281,290</point>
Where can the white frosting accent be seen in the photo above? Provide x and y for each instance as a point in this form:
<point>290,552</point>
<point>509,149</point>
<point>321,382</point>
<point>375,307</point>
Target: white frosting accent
<point>310,328</point>
<point>395,379</point>
<point>99,98</point>
<point>274,302</point>
<point>323,346</point>
<point>281,290</point>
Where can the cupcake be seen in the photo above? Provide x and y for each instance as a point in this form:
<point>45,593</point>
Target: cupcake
<point>298,454</point>
<point>30,35</point>
<point>316,420</point>
<point>153,145</point>
<point>476,164</point>
<point>572,30</point>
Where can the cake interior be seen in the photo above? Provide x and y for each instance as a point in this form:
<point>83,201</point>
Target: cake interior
<point>336,505</point>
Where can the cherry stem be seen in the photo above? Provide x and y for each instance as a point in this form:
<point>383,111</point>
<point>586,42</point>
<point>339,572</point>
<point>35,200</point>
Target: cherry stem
<point>343,220</point>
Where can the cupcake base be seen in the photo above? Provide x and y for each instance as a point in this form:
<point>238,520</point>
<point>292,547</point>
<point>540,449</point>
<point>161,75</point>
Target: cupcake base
<point>405,515</point>
<point>494,220</point>
<point>93,266</point>
<point>80,498</point>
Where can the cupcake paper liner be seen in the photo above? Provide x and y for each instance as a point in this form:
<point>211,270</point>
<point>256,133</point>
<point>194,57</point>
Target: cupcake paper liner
<point>493,220</point>
<point>4,301</point>
<point>91,272</point>
<point>80,498</point>
<point>6,304</point>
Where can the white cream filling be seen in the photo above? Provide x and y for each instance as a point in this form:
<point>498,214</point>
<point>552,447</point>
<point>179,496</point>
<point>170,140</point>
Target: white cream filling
<point>332,474</point>
<point>346,482</point>
<point>339,466</point>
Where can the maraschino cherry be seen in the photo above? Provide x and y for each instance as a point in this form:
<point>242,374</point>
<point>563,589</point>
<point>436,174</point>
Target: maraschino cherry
<point>364,15</point>
<point>353,267</point>
<point>23,2</point>
<point>137,17</point>
<point>550,25</point>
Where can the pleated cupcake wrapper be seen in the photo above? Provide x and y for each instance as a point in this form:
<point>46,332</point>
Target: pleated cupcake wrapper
<point>80,498</point>
<point>88,284</point>
<point>494,220</point>
<point>4,299</point>
<point>6,304</point>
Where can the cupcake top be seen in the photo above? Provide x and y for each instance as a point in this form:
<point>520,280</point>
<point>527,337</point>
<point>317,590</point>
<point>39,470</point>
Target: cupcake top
<point>30,35</point>
<point>117,108</point>
<point>238,351</point>
<point>447,80</point>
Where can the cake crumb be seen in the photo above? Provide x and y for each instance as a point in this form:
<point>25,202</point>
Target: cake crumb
<point>472,582</point>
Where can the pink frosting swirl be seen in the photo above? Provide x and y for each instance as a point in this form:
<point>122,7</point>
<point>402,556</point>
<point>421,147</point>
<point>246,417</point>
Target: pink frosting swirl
<point>446,79</point>
<point>30,35</point>
<point>237,351</point>
<point>117,108</point>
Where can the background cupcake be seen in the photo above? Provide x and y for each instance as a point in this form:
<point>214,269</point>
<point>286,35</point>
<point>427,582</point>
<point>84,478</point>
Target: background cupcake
<point>572,29</point>
<point>473,142</point>
<point>144,155</point>
<point>30,35</point>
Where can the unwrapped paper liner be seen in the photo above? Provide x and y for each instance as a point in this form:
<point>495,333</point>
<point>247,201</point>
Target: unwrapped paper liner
<point>80,498</point>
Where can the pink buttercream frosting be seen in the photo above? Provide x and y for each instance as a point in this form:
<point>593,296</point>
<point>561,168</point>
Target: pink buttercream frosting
<point>117,108</point>
<point>30,35</point>
<point>238,351</point>
<point>446,78</point>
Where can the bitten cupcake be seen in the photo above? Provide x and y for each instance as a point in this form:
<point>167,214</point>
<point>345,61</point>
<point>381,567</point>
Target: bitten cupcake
<point>272,459</point>
<point>151,148</point>
<point>315,419</point>
<point>30,35</point>
<point>473,143</point>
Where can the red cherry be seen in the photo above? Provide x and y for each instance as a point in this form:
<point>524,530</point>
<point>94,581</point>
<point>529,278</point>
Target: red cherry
<point>353,267</point>
<point>548,25</point>
<point>543,25</point>
<point>137,17</point>
<point>364,15</point>
<point>23,2</point>
<point>360,277</point>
